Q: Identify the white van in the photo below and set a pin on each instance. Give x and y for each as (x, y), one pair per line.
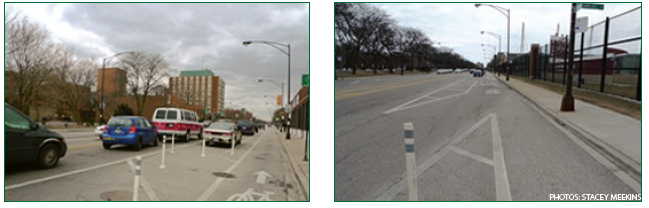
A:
(178, 122)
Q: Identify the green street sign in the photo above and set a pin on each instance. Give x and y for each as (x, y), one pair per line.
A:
(305, 80)
(593, 6)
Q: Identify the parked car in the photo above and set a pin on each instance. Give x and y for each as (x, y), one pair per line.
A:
(444, 71)
(222, 132)
(99, 130)
(176, 121)
(129, 130)
(28, 141)
(246, 127)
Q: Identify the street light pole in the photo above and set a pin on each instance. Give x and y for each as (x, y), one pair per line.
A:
(279, 84)
(103, 73)
(288, 53)
(568, 101)
(496, 36)
(505, 12)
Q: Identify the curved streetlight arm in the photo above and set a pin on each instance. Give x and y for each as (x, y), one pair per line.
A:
(502, 10)
(270, 43)
(490, 33)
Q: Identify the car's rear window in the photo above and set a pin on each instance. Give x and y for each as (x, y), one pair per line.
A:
(120, 122)
(221, 126)
(161, 114)
(172, 115)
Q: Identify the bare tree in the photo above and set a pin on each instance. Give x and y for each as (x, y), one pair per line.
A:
(27, 53)
(144, 72)
(73, 79)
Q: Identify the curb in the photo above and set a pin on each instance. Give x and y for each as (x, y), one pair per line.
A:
(301, 178)
(619, 159)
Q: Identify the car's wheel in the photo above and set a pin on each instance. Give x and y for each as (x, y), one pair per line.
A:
(106, 146)
(48, 156)
(155, 142)
(187, 136)
(138, 144)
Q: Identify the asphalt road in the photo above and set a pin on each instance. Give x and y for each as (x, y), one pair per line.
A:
(258, 167)
(475, 140)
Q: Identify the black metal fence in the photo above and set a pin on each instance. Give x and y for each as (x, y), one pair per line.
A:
(607, 58)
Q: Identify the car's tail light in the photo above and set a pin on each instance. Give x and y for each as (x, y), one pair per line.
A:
(132, 131)
(177, 126)
(227, 134)
(105, 128)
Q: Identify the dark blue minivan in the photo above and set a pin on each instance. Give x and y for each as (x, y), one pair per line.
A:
(129, 130)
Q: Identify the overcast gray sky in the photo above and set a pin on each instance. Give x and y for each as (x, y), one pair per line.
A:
(193, 36)
(458, 25)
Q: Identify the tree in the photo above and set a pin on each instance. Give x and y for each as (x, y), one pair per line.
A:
(28, 52)
(123, 110)
(144, 72)
(73, 79)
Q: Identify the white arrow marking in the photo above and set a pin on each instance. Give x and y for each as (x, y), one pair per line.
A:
(261, 176)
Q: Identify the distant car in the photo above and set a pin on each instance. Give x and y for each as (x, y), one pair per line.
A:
(260, 125)
(444, 71)
(222, 132)
(129, 130)
(478, 73)
(99, 130)
(246, 127)
(27, 141)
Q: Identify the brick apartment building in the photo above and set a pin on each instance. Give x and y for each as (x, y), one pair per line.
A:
(198, 88)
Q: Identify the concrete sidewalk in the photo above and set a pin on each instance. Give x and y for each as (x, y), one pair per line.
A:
(614, 135)
(295, 148)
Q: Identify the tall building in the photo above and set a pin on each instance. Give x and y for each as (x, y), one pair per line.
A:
(198, 87)
(113, 81)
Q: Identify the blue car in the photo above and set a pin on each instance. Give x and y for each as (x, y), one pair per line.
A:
(129, 130)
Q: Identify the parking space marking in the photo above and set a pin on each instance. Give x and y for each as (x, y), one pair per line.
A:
(210, 190)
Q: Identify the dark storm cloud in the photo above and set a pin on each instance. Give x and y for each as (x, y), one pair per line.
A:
(196, 35)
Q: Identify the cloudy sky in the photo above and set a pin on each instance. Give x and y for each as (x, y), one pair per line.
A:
(192, 36)
(458, 25)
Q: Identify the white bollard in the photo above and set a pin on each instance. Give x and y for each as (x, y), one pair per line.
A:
(138, 172)
(234, 140)
(203, 154)
(173, 139)
(164, 142)
(411, 162)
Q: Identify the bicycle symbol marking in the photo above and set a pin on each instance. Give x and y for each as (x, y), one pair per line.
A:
(250, 195)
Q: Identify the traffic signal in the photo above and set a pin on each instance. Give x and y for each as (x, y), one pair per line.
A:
(279, 100)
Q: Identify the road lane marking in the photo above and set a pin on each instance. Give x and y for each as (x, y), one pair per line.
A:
(381, 88)
(502, 182)
(84, 147)
(407, 105)
(210, 190)
(472, 156)
(145, 184)
(391, 192)
(80, 171)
